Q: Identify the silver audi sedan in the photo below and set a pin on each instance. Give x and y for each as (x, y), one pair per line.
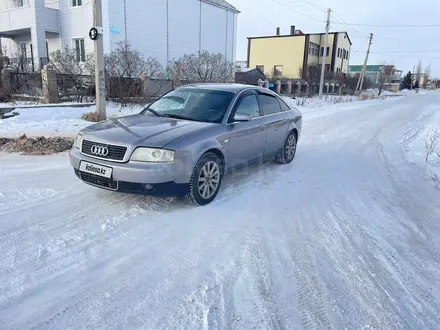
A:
(184, 142)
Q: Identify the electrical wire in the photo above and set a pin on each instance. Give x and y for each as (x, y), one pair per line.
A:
(312, 4)
(290, 8)
(395, 26)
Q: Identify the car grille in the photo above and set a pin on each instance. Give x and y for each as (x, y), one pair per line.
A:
(99, 181)
(116, 153)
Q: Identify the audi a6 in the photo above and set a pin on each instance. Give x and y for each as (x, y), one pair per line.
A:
(185, 141)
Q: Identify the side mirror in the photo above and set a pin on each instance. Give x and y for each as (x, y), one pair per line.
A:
(242, 117)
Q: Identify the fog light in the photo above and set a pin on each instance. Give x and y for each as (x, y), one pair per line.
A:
(149, 186)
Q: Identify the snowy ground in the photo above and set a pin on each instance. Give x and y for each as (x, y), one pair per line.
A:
(66, 121)
(346, 237)
(55, 121)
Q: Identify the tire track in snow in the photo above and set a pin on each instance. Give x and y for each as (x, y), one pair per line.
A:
(309, 291)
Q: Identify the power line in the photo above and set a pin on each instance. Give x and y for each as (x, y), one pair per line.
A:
(306, 10)
(395, 26)
(313, 4)
(360, 48)
(267, 21)
(343, 24)
(290, 8)
(410, 51)
(403, 56)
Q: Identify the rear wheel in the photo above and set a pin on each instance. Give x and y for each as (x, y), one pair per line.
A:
(206, 179)
(289, 150)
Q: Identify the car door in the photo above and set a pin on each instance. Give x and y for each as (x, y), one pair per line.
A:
(246, 139)
(276, 123)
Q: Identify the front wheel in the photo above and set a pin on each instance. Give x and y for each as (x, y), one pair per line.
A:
(206, 179)
(288, 152)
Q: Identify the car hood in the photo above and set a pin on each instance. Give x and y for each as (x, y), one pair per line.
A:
(142, 130)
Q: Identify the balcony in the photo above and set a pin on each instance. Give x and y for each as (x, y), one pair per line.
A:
(23, 18)
(18, 18)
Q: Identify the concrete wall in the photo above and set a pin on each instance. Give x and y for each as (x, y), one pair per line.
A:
(286, 51)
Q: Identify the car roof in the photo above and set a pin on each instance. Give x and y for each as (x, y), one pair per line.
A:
(227, 87)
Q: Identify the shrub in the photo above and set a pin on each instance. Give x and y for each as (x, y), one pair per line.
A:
(91, 116)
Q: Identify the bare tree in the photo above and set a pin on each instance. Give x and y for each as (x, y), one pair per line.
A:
(130, 77)
(201, 67)
(431, 143)
(311, 75)
(426, 76)
(418, 73)
(74, 81)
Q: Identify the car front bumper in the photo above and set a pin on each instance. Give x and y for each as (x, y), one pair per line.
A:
(133, 177)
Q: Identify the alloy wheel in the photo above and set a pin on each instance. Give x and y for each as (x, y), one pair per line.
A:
(209, 179)
(291, 147)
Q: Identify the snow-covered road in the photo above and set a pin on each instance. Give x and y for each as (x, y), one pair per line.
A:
(347, 237)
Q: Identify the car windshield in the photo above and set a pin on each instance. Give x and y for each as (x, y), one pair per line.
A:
(192, 104)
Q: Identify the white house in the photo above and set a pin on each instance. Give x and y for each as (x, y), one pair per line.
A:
(164, 29)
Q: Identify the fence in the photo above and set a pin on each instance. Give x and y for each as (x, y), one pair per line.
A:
(26, 83)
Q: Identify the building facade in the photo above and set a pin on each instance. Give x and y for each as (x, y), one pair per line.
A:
(164, 29)
(289, 55)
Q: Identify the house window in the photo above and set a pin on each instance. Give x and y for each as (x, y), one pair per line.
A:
(80, 52)
(278, 70)
(261, 68)
(322, 51)
(76, 3)
(339, 52)
(346, 55)
(328, 51)
(18, 3)
(313, 49)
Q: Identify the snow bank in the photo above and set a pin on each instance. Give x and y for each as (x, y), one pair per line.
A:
(316, 102)
(55, 121)
(424, 149)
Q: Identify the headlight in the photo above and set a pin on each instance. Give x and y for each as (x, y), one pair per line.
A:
(77, 142)
(152, 155)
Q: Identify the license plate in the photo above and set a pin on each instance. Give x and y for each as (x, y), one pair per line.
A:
(99, 170)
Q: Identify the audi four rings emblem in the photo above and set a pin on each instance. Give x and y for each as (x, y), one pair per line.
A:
(99, 151)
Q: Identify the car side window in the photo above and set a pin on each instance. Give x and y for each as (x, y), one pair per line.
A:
(249, 106)
(269, 104)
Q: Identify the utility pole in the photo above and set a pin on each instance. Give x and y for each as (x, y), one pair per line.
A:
(364, 67)
(324, 53)
(99, 59)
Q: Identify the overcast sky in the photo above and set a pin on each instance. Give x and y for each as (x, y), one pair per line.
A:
(402, 46)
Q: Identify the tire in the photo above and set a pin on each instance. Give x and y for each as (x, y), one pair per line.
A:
(287, 154)
(201, 194)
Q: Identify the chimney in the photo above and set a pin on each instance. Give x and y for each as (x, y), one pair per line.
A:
(292, 30)
(278, 31)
